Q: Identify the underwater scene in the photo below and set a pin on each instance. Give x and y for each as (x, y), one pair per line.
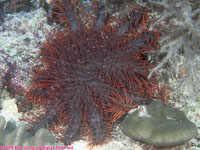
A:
(100, 74)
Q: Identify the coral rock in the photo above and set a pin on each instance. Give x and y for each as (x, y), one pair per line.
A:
(18, 136)
(159, 125)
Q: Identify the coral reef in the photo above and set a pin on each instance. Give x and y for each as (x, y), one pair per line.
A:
(14, 135)
(178, 57)
(179, 24)
(16, 6)
(9, 107)
(117, 7)
(11, 78)
(177, 62)
(93, 71)
(17, 55)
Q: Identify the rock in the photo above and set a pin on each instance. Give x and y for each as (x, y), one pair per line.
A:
(159, 125)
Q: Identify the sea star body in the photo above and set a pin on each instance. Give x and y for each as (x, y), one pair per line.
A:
(93, 72)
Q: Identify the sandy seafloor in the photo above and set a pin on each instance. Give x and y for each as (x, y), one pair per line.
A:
(33, 25)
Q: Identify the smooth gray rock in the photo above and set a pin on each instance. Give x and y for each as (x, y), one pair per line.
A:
(159, 125)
